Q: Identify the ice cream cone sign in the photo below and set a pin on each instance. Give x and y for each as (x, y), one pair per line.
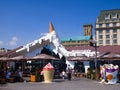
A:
(48, 67)
(48, 72)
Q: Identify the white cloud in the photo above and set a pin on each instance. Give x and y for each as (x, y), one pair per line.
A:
(13, 41)
(1, 42)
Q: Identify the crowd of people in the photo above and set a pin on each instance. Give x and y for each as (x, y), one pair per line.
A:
(11, 74)
(16, 75)
(69, 73)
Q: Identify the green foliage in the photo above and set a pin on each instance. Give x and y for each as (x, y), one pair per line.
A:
(37, 74)
(1, 65)
(91, 71)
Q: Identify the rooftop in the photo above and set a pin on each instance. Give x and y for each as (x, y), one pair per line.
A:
(76, 38)
(104, 12)
(101, 49)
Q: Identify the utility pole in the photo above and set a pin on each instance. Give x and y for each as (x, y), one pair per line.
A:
(93, 43)
(96, 70)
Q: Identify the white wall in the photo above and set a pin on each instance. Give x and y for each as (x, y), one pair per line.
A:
(71, 63)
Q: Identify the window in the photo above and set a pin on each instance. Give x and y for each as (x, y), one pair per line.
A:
(114, 30)
(107, 41)
(100, 36)
(114, 24)
(115, 41)
(107, 31)
(114, 15)
(114, 35)
(107, 36)
(107, 16)
(107, 24)
(78, 41)
(114, 20)
(119, 16)
(100, 41)
(100, 25)
(100, 31)
(72, 41)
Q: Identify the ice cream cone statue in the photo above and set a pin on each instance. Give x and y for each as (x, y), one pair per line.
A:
(48, 71)
(109, 72)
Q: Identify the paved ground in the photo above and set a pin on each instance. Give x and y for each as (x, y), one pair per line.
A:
(77, 84)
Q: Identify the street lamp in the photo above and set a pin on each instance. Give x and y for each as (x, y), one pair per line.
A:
(96, 61)
(93, 43)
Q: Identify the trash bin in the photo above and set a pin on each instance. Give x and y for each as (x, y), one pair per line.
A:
(48, 72)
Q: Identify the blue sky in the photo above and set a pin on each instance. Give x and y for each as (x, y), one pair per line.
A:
(22, 21)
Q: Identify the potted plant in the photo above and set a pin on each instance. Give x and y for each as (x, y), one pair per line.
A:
(2, 76)
(35, 75)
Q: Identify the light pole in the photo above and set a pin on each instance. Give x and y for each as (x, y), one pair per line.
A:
(96, 61)
(94, 44)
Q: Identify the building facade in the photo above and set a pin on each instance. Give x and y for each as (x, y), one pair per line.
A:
(88, 29)
(3, 50)
(79, 40)
(107, 27)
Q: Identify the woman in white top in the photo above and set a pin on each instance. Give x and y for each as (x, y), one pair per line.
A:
(63, 74)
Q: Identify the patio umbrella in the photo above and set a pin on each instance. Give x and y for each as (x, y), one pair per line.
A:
(112, 55)
(21, 57)
(77, 58)
(4, 59)
(44, 56)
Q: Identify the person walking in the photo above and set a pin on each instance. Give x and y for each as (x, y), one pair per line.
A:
(69, 73)
(73, 73)
(63, 75)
